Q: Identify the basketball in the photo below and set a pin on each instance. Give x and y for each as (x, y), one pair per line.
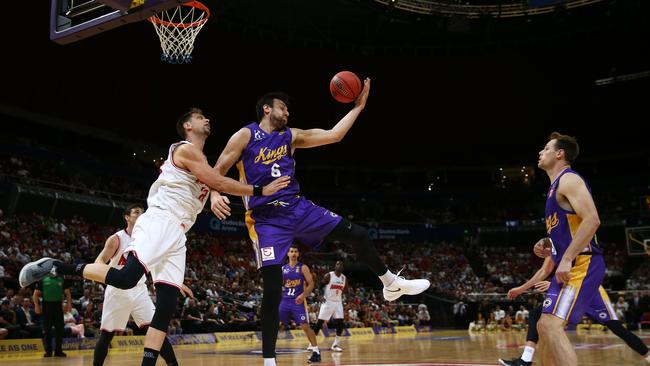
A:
(345, 86)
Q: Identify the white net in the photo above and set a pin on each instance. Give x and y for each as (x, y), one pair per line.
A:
(177, 29)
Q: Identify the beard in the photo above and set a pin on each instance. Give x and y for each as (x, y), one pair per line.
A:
(278, 122)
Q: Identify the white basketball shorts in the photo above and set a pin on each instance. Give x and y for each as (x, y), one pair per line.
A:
(330, 309)
(120, 304)
(159, 244)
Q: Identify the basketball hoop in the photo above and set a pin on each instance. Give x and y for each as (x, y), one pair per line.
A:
(177, 29)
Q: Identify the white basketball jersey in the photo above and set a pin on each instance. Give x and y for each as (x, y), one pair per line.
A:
(118, 260)
(334, 289)
(178, 191)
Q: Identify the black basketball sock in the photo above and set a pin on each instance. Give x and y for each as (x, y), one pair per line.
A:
(69, 269)
(101, 348)
(149, 357)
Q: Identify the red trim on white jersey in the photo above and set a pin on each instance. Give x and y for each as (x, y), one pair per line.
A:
(171, 155)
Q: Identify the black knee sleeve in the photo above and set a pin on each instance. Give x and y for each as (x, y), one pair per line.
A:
(318, 326)
(340, 326)
(357, 237)
(533, 318)
(272, 295)
(631, 339)
(101, 347)
(128, 276)
(166, 299)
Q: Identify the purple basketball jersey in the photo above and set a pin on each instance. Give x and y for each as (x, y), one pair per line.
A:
(293, 284)
(562, 224)
(265, 158)
(275, 222)
(580, 294)
(292, 281)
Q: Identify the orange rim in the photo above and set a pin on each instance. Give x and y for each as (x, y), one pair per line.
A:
(193, 4)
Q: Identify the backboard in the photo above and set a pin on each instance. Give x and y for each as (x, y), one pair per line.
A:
(73, 20)
(638, 240)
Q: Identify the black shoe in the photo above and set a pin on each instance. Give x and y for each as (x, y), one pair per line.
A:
(515, 362)
(60, 354)
(315, 358)
(47, 354)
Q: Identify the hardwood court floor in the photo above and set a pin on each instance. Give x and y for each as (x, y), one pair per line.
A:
(457, 348)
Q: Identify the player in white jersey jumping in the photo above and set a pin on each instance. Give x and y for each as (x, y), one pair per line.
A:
(120, 304)
(175, 199)
(332, 308)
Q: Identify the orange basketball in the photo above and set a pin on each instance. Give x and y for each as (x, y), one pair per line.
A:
(345, 86)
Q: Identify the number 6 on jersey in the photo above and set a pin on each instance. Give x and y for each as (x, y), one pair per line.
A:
(275, 171)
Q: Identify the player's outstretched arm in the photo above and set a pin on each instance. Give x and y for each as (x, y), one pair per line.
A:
(110, 248)
(318, 137)
(575, 190)
(229, 156)
(189, 157)
(540, 275)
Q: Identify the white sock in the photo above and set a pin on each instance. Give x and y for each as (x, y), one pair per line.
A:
(648, 358)
(315, 349)
(387, 278)
(269, 362)
(527, 356)
(336, 341)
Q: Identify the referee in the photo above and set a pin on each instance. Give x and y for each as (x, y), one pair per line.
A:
(52, 289)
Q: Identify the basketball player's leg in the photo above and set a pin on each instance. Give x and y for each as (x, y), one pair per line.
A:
(168, 277)
(632, 340)
(284, 313)
(567, 303)
(319, 326)
(166, 299)
(311, 336)
(339, 325)
(115, 316)
(143, 312)
(324, 315)
(302, 318)
(153, 235)
(318, 224)
(270, 319)
(101, 347)
(602, 311)
(357, 237)
(271, 237)
(532, 338)
(299, 314)
(544, 352)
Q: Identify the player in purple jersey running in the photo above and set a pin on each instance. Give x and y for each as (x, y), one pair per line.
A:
(600, 310)
(264, 150)
(571, 224)
(297, 284)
